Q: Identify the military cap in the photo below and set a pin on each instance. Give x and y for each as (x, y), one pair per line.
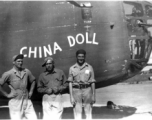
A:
(20, 56)
(46, 59)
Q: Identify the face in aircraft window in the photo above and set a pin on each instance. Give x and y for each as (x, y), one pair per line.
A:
(134, 28)
(133, 9)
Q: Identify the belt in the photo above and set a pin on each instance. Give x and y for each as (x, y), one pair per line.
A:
(82, 86)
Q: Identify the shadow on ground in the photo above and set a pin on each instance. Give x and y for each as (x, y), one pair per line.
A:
(103, 112)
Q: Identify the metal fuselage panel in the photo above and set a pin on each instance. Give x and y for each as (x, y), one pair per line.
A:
(39, 29)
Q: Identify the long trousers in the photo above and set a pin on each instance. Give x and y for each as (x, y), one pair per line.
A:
(21, 107)
(82, 97)
(52, 106)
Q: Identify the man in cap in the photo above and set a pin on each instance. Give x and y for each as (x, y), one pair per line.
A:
(82, 86)
(51, 84)
(20, 105)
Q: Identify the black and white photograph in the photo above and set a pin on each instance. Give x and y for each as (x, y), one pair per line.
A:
(68, 59)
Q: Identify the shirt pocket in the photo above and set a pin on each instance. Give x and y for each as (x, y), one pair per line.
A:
(85, 76)
(58, 77)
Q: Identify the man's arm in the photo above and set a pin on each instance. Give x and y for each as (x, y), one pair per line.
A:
(71, 94)
(43, 89)
(3, 80)
(8, 95)
(93, 86)
(93, 93)
(64, 83)
(70, 80)
(31, 89)
(3, 92)
(32, 81)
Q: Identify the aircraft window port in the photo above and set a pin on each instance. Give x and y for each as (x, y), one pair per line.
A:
(148, 10)
(133, 9)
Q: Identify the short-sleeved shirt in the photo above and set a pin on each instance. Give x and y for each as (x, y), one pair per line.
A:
(16, 80)
(55, 79)
(81, 74)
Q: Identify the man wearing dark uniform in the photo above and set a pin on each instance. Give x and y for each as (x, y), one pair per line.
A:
(51, 83)
(20, 105)
(82, 86)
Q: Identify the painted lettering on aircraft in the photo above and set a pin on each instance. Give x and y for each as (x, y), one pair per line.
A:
(37, 51)
(80, 39)
(49, 50)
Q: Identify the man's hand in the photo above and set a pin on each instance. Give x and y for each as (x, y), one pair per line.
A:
(73, 102)
(60, 89)
(49, 91)
(12, 94)
(93, 99)
(55, 90)
(30, 95)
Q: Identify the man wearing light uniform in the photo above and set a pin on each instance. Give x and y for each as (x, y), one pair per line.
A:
(51, 84)
(20, 105)
(82, 86)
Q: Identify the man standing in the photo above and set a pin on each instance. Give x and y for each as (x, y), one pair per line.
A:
(20, 105)
(51, 83)
(82, 86)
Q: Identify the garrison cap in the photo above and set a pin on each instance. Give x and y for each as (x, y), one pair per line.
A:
(46, 59)
(20, 56)
(81, 51)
